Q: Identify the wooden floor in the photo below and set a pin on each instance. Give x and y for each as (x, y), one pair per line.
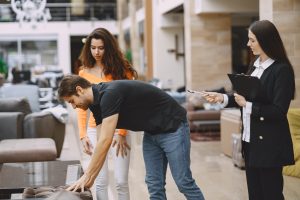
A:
(214, 173)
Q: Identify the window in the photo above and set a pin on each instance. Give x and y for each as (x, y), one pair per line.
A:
(27, 53)
(38, 54)
(9, 53)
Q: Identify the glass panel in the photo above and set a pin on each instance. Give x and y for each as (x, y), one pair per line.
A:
(36, 54)
(6, 13)
(8, 55)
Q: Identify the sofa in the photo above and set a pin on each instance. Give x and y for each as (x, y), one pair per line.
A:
(202, 116)
(18, 121)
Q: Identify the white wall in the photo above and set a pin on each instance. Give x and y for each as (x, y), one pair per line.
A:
(226, 6)
(61, 30)
(266, 9)
(167, 5)
(126, 23)
(140, 15)
(165, 67)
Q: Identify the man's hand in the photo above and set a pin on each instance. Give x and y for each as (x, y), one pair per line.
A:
(104, 142)
(87, 145)
(212, 97)
(85, 181)
(240, 100)
(122, 145)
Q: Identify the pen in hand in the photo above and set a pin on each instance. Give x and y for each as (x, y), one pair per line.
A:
(198, 92)
(211, 97)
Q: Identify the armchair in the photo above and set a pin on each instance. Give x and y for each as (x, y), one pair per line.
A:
(11, 125)
(18, 111)
(31, 92)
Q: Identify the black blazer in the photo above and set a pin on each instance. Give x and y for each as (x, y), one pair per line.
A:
(270, 138)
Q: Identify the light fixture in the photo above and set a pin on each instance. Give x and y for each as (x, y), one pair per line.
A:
(31, 11)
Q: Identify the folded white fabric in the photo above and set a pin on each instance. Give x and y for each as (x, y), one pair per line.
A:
(59, 112)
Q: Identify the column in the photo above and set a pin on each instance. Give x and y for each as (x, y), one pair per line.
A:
(207, 48)
(134, 39)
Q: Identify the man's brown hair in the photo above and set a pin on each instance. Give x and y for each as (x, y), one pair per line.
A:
(69, 83)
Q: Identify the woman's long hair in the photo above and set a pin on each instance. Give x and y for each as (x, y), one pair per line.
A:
(270, 41)
(113, 60)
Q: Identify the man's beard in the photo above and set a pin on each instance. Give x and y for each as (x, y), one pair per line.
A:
(83, 107)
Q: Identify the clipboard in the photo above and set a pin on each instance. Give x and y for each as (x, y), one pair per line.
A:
(245, 85)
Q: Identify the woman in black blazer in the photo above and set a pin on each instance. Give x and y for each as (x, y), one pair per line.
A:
(266, 138)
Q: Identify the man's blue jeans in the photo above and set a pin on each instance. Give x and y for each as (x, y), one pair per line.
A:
(172, 148)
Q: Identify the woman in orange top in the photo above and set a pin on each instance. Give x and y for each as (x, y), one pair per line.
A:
(103, 61)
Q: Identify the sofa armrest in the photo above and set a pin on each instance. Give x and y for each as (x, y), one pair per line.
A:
(11, 125)
(44, 125)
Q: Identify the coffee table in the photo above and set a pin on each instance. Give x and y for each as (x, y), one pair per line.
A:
(14, 177)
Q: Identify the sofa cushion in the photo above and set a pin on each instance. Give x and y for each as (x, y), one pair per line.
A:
(16, 104)
(56, 193)
(27, 150)
(195, 101)
(31, 92)
(293, 170)
(294, 123)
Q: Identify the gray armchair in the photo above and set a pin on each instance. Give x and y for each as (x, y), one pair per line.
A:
(18, 121)
(31, 92)
(44, 125)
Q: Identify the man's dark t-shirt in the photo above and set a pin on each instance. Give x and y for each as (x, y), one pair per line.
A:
(141, 106)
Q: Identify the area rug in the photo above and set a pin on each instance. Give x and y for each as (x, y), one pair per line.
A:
(205, 136)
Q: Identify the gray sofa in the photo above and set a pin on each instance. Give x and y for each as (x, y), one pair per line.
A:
(18, 121)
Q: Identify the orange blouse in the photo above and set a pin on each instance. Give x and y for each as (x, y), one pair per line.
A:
(83, 114)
